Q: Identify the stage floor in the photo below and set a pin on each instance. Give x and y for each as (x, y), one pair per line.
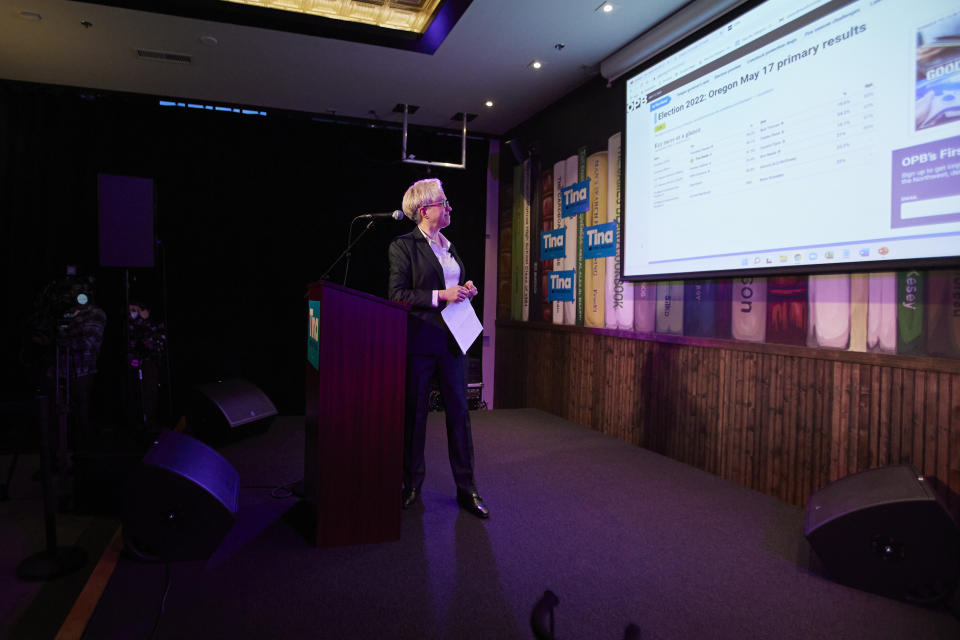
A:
(620, 534)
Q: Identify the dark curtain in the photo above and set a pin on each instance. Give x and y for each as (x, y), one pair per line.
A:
(249, 209)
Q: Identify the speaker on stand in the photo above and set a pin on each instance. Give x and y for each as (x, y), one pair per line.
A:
(887, 531)
(126, 211)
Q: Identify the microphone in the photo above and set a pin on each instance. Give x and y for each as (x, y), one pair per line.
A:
(396, 215)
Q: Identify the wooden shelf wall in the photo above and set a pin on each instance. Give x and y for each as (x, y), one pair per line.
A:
(780, 419)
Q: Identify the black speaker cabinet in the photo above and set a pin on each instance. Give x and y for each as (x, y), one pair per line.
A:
(219, 408)
(126, 216)
(886, 531)
(181, 501)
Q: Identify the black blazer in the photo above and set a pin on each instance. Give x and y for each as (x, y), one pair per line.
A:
(415, 273)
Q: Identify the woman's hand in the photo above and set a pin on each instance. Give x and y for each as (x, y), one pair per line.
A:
(455, 293)
(471, 289)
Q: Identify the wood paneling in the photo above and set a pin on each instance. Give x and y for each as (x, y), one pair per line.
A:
(778, 419)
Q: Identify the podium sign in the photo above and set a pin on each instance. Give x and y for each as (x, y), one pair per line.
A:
(313, 333)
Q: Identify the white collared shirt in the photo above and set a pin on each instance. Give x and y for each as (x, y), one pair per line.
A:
(451, 270)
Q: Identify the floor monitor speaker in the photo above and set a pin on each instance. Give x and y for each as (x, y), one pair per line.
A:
(181, 502)
(887, 531)
(220, 407)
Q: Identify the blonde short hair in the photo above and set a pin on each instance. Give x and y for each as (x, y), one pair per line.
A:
(420, 193)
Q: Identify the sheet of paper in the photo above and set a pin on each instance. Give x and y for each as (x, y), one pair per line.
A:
(463, 323)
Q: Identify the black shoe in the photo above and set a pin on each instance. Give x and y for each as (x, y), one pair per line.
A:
(473, 503)
(409, 497)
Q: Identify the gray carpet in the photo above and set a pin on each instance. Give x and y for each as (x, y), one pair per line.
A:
(35, 610)
(620, 534)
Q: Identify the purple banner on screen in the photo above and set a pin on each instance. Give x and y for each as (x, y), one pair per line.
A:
(925, 186)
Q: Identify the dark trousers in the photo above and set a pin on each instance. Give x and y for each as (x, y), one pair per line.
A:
(451, 371)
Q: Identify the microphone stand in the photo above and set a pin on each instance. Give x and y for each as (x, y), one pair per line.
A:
(346, 252)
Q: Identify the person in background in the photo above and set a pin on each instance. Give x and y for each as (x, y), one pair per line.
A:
(427, 274)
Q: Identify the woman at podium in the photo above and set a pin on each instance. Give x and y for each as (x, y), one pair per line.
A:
(426, 273)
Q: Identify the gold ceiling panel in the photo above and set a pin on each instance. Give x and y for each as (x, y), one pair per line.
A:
(406, 15)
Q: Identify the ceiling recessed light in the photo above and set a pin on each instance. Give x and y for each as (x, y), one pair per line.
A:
(606, 7)
(536, 64)
(210, 41)
(488, 103)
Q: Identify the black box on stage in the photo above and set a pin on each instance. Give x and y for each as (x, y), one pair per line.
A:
(474, 398)
(886, 531)
(182, 500)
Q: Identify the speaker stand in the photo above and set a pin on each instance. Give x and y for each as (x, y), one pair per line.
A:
(55, 561)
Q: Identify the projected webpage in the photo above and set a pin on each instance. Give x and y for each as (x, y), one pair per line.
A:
(798, 136)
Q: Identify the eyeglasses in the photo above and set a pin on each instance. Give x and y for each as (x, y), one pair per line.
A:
(444, 203)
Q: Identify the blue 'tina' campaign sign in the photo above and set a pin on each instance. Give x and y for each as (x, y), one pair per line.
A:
(552, 244)
(561, 285)
(575, 199)
(600, 241)
(313, 334)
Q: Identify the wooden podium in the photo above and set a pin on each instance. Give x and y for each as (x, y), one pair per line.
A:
(356, 369)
